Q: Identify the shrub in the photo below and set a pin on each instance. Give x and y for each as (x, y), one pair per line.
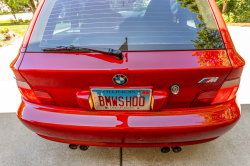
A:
(4, 30)
(20, 21)
(228, 17)
(13, 22)
(26, 21)
(7, 36)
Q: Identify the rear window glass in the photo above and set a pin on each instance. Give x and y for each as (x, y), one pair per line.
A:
(146, 24)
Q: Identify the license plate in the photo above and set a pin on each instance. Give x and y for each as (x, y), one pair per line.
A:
(121, 99)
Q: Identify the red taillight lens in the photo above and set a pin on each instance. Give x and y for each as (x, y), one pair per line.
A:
(35, 96)
(226, 92)
(224, 95)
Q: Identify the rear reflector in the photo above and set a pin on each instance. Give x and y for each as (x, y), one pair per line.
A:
(35, 96)
(226, 92)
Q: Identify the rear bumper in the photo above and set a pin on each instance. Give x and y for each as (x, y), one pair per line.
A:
(168, 127)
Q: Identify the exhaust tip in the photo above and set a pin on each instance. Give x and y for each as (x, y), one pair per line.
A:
(165, 149)
(176, 149)
(84, 147)
(73, 146)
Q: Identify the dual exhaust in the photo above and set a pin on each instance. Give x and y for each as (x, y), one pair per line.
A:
(82, 147)
(176, 149)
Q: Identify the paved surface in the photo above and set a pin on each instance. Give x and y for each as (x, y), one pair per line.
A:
(9, 95)
(21, 147)
(24, 16)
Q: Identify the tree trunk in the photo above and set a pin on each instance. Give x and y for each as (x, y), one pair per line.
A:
(224, 8)
(13, 12)
(32, 6)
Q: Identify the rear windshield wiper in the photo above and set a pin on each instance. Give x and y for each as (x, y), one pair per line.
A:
(108, 51)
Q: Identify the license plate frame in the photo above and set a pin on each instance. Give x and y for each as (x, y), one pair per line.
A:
(137, 99)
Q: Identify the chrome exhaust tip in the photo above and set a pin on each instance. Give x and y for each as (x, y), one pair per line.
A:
(84, 147)
(165, 149)
(176, 149)
(73, 146)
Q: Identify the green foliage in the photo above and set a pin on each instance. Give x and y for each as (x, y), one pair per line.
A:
(228, 17)
(11, 3)
(14, 5)
(13, 22)
(4, 30)
(220, 2)
(20, 29)
(237, 11)
(26, 21)
(17, 6)
(7, 36)
(207, 39)
(19, 22)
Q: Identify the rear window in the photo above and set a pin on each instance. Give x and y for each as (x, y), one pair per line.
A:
(147, 25)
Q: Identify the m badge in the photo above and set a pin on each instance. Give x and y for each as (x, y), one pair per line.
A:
(209, 80)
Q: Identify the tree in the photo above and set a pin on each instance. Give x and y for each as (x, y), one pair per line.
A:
(13, 5)
(31, 4)
(234, 10)
(224, 7)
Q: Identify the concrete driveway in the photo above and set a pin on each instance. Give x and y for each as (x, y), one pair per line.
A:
(21, 147)
(24, 16)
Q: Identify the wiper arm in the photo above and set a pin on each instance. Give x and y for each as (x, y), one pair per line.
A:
(109, 51)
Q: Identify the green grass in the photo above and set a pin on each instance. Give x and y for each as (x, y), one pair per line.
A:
(20, 29)
(4, 14)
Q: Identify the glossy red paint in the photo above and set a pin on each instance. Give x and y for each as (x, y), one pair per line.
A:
(83, 98)
(128, 145)
(159, 100)
(130, 129)
(68, 78)
(65, 74)
(15, 64)
(238, 64)
(236, 60)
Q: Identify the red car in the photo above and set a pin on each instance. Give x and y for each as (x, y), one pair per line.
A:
(128, 73)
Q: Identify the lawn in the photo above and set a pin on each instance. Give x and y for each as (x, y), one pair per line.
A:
(20, 29)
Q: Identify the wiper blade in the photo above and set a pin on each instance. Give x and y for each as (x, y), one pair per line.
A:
(108, 51)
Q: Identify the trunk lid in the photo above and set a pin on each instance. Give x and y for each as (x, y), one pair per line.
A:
(65, 74)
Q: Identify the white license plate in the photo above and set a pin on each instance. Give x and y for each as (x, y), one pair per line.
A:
(121, 99)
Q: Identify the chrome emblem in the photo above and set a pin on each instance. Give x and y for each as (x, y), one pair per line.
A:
(209, 80)
(120, 79)
(175, 89)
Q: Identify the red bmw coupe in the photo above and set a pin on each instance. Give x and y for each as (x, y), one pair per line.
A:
(128, 73)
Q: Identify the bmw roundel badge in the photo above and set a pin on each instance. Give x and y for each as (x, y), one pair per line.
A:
(120, 79)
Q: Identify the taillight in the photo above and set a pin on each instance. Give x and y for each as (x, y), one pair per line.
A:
(35, 96)
(226, 92)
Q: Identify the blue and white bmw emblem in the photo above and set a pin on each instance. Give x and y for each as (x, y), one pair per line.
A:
(120, 79)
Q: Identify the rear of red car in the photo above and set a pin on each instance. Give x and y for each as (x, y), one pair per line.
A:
(175, 85)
